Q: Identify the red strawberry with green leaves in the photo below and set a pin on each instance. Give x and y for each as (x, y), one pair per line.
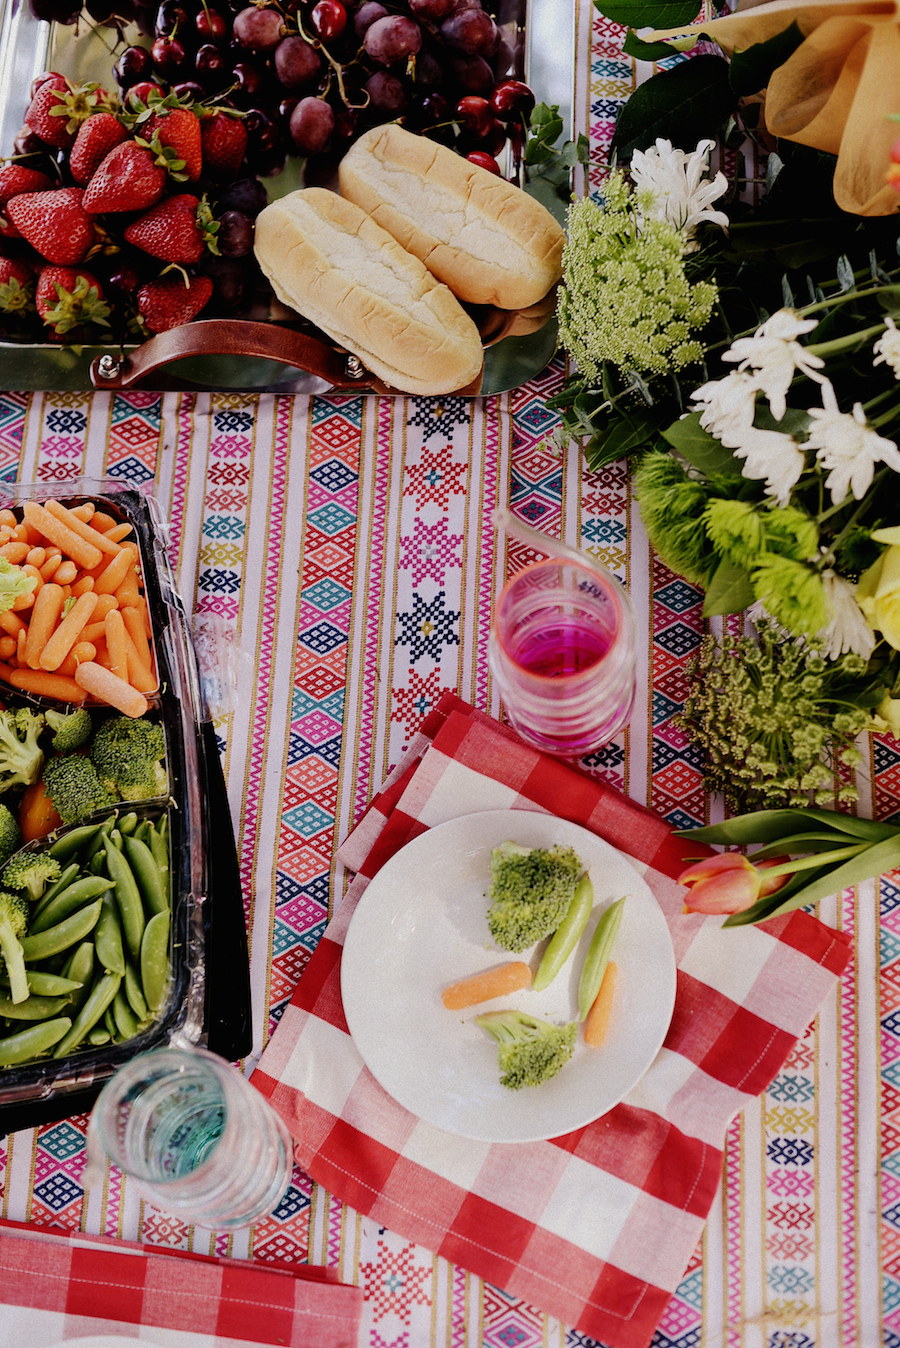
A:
(16, 286)
(224, 142)
(96, 136)
(15, 178)
(130, 178)
(55, 223)
(59, 107)
(67, 297)
(176, 229)
(179, 129)
(172, 300)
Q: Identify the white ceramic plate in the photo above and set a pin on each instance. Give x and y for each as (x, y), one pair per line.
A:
(421, 924)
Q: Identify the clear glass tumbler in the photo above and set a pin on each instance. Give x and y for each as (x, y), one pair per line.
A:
(199, 1141)
(562, 652)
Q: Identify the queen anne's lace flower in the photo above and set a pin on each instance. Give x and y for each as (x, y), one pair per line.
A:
(775, 355)
(677, 188)
(848, 448)
(848, 629)
(728, 407)
(887, 348)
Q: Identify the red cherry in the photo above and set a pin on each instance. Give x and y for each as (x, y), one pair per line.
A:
(476, 115)
(329, 19)
(142, 90)
(484, 160)
(511, 100)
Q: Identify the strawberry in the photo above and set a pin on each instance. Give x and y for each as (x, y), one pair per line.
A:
(170, 301)
(16, 286)
(55, 223)
(96, 136)
(176, 229)
(68, 296)
(16, 178)
(224, 142)
(128, 179)
(59, 107)
(179, 128)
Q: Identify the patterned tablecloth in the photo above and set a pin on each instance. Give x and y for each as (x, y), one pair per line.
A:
(337, 554)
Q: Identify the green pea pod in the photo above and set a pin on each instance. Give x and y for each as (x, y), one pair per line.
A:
(565, 938)
(63, 935)
(100, 998)
(128, 897)
(81, 966)
(597, 957)
(97, 863)
(128, 822)
(159, 846)
(99, 840)
(33, 1007)
(31, 1043)
(73, 841)
(108, 937)
(109, 1021)
(46, 984)
(126, 1020)
(143, 831)
(134, 992)
(115, 838)
(66, 877)
(154, 888)
(73, 897)
(155, 960)
(99, 1036)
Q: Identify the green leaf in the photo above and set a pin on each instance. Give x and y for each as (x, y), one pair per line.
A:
(751, 69)
(800, 844)
(684, 105)
(626, 433)
(874, 861)
(646, 51)
(729, 591)
(700, 448)
(655, 14)
(765, 826)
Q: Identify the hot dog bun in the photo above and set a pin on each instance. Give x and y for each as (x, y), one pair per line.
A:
(486, 239)
(328, 260)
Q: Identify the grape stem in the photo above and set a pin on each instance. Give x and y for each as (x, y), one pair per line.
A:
(336, 66)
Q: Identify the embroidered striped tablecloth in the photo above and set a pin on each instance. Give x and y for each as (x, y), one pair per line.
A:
(337, 556)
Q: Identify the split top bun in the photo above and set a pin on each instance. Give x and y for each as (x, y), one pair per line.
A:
(486, 239)
(328, 260)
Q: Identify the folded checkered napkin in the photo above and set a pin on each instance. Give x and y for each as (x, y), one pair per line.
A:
(55, 1287)
(598, 1226)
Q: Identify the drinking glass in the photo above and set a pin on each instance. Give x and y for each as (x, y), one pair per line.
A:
(562, 652)
(199, 1141)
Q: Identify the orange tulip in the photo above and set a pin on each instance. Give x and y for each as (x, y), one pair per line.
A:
(728, 883)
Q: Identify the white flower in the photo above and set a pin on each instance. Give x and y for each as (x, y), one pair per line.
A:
(681, 192)
(773, 456)
(846, 445)
(887, 348)
(848, 629)
(729, 407)
(775, 355)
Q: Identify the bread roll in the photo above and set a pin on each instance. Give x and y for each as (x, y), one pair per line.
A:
(486, 239)
(328, 260)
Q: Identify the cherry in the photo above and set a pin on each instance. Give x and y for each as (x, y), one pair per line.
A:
(475, 114)
(141, 92)
(169, 55)
(134, 64)
(512, 100)
(329, 19)
(212, 25)
(484, 160)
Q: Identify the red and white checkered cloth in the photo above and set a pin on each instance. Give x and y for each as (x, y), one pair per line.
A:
(598, 1226)
(55, 1287)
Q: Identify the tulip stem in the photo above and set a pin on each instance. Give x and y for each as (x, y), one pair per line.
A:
(809, 863)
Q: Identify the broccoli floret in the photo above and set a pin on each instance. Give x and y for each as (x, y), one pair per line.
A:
(127, 753)
(71, 729)
(13, 583)
(531, 889)
(21, 757)
(72, 784)
(13, 921)
(32, 872)
(10, 834)
(531, 1050)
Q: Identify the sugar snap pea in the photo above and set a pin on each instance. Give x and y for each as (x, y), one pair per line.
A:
(33, 1007)
(108, 937)
(128, 897)
(115, 838)
(73, 897)
(109, 1022)
(99, 1036)
(66, 876)
(128, 822)
(30, 1043)
(155, 960)
(126, 1020)
(565, 938)
(159, 845)
(134, 992)
(73, 841)
(80, 965)
(100, 998)
(99, 840)
(63, 935)
(154, 889)
(598, 955)
(46, 984)
(143, 831)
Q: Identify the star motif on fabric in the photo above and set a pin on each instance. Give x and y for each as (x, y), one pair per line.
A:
(394, 1283)
(429, 550)
(436, 477)
(413, 703)
(428, 628)
(437, 416)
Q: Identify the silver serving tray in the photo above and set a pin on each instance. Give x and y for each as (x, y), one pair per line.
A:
(29, 46)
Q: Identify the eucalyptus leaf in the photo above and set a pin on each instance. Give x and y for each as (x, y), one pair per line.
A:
(700, 448)
(655, 14)
(729, 591)
(685, 105)
(625, 434)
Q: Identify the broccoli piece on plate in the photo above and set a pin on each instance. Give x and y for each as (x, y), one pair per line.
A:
(21, 757)
(71, 729)
(531, 889)
(127, 753)
(531, 1050)
(13, 921)
(32, 872)
(72, 784)
(10, 834)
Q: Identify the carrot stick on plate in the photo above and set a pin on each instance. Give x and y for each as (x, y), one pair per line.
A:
(481, 987)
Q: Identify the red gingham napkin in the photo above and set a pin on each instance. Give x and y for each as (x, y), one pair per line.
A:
(598, 1226)
(55, 1287)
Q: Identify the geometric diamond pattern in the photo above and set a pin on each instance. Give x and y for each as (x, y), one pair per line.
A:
(58, 1191)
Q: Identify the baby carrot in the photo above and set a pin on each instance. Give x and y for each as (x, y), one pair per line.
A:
(499, 982)
(66, 572)
(115, 644)
(598, 955)
(82, 529)
(57, 531)
(8, 647)
(47, 608)
(83, 585)
(84, 512)
(112, 575)
(68, 632)
(597, 1022)
(134, 626)
(81, 651)
(129, 592)
(118, 532)
(8, 517)
(36, 557)
(15, 552)
(102, 684)
(101, 521)
(46, 685)
(11, 623)
(51, 566)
